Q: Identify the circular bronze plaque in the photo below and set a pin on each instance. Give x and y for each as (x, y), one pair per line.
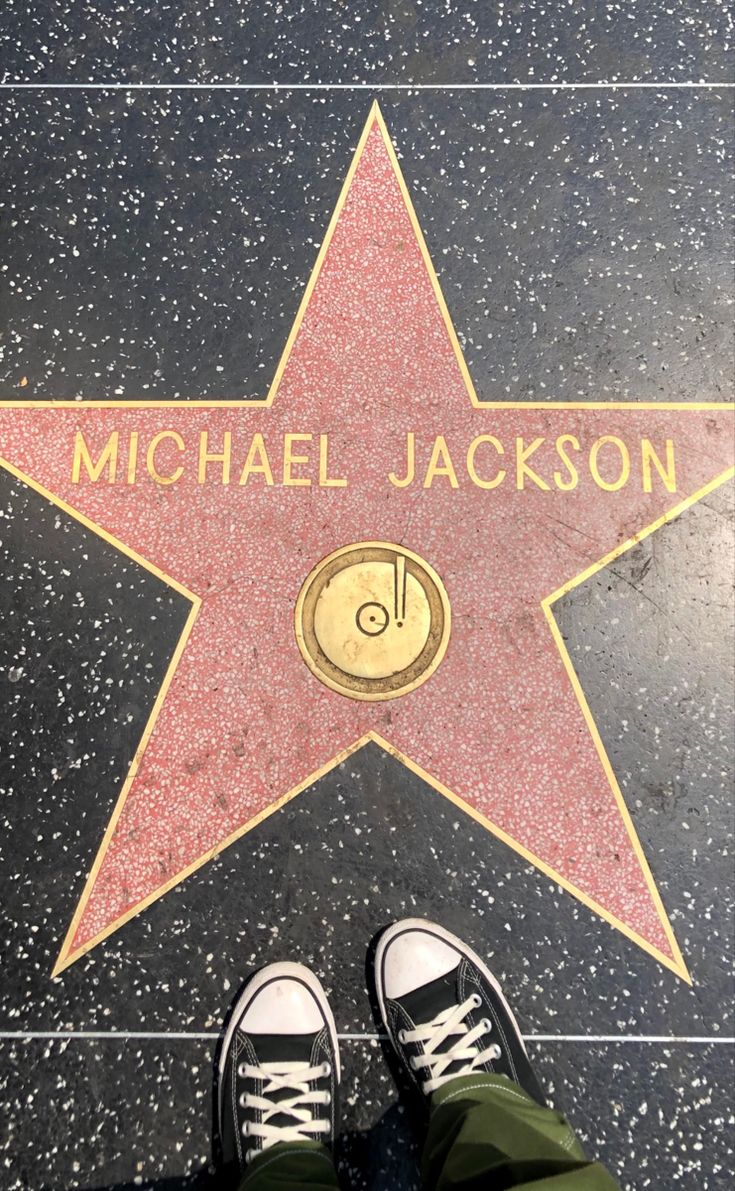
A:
(372, 620)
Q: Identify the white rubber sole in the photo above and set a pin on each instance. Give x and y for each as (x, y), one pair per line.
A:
(446, 936)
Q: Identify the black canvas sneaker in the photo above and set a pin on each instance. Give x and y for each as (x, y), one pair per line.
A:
(279, 1066)
(445, 1013)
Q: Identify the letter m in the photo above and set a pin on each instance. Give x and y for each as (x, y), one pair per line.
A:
(107, 458)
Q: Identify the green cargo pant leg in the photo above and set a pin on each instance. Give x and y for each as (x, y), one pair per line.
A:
(486, 1134)
(290, 1166)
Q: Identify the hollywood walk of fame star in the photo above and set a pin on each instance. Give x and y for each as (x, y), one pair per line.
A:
(244, 720)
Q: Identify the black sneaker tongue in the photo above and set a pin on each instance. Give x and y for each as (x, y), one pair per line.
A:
(423, 1004)
(283, 1048)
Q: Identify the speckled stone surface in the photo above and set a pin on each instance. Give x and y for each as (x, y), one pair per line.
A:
(161, 241)
(158, 246)
(416, 41)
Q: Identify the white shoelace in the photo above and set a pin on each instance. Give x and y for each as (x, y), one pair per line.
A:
(283, 1077)
(465, 1050)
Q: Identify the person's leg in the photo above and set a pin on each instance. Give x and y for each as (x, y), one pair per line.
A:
(484, 1131)
(489, 1126)
(291, 1167)
(278, 1084)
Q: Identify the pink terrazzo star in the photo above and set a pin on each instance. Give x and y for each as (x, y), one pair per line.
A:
(501, 727)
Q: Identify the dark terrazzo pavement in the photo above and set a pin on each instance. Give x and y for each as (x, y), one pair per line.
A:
(145, 1108)
(414, 41)
(158, 246)
(161, 241)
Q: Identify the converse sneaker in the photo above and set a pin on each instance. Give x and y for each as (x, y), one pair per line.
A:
(445, 1013)
(279, 1066)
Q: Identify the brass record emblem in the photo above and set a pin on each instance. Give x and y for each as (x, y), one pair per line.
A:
(373, 620)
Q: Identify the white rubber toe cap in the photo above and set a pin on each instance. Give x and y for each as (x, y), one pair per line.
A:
(284, 1007)
(413, 953)
(284, 998)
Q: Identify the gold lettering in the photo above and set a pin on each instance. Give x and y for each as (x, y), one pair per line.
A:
(666, 471)
(522, 469)
(132, 456)
(563, 441)
(410, 464)
(500, 474)
(262, 468)
(440, 451)
(325, 480)
(150, 457)
(289, 459)
(206, 457)
(598, 444)
(107, 458)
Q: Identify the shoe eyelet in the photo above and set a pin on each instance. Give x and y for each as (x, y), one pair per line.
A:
(476, 1000)
(486, 1024)
(498, 1053)
(249, 1155)
(245, 1129)
(402, 1037)
(326, 1069)
(412, 1063)
(328, 1098)
(241, 1100)
(241, 1070)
